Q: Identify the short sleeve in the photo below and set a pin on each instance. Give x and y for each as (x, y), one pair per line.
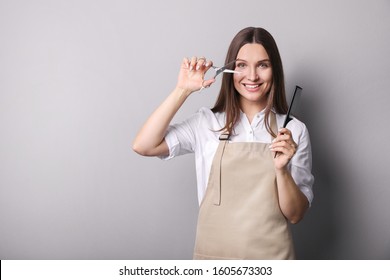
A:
(181, 137)
(301, 163)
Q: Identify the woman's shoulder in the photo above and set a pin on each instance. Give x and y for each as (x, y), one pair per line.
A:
(205, 111)
(203, 119)
(209, 116)
(208, 112)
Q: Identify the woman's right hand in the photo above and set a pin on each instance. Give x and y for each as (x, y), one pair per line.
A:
(192, 73)
(150, 140)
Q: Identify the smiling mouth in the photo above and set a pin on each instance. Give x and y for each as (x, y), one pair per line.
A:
(252, 86)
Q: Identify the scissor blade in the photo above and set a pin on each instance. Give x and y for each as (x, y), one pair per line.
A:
(222, 69)
(230, 71)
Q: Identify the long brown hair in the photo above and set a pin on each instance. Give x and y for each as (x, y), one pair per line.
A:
(228, 98)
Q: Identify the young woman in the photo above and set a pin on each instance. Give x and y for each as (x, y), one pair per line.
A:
(253, 178)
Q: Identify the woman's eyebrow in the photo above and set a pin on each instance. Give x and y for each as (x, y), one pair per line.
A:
(263, 60)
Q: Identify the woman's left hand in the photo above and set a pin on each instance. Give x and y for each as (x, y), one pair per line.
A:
(284, 147)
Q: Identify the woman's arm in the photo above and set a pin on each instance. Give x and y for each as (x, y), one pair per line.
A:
(293, 203)
(150, 139)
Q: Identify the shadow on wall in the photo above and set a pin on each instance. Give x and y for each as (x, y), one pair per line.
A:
(317, 235)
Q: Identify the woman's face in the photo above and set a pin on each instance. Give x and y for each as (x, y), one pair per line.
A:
(255, 78)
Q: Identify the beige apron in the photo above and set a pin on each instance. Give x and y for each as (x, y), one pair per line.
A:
(240, 217)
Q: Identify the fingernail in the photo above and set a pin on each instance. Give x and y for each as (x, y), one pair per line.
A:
(197, 67)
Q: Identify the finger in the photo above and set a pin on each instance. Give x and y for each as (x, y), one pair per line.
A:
(284, 130)
(193, 63)
(208, 64)
(186, 62)
(289, 140)
(285, 150)
(200, 63)
(284, 134)
(208, 83)
(280, 145)
(282, 138)
(201, 59)
(288, 147)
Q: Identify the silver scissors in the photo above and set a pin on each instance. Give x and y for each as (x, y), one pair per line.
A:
(224, 69)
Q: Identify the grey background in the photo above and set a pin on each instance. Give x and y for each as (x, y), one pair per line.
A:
(78, 79)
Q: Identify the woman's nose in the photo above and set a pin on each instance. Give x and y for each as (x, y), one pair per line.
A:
(252, 74)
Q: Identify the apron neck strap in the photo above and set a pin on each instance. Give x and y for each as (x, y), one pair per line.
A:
(274, 126)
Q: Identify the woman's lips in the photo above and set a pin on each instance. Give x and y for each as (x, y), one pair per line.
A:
(252, 87)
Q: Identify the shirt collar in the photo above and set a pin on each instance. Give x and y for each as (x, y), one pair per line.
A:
(257, 119)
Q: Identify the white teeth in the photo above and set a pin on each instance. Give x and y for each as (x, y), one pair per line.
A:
(252, 86)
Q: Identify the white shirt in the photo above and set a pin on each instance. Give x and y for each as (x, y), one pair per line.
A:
(199, 134)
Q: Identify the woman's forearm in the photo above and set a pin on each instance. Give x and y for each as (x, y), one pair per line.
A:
(150, 139)
(293, 203)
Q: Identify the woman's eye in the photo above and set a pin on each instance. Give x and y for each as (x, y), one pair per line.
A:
(263, 65)
(240, 65)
